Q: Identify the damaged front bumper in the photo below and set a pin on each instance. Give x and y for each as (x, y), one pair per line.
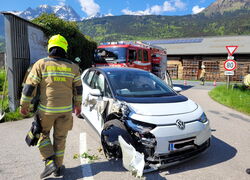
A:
(165, 160)
(146, 145)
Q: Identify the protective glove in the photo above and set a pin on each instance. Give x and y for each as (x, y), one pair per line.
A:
(24, 111)
(77, 110)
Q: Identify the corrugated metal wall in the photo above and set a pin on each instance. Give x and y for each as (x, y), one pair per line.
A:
(17, 56)
(2, 60)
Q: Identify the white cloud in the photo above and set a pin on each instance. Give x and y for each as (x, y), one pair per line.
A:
(156, 9)
(179, 4)
(90, 7)
(129, 12)
(109, 14)
(167, 6)
(197, 9)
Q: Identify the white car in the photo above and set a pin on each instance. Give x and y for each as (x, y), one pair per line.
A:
(165, 126)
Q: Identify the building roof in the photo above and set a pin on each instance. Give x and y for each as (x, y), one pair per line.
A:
(204, 45)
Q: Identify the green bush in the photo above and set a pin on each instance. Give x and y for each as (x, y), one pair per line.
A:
(237, 98)
(79, 45)
(2, 78)
(4, 103)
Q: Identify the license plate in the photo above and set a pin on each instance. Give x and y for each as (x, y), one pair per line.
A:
(171, 147)
(181, 144)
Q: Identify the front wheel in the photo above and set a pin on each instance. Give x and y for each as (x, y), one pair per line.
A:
(109, 136)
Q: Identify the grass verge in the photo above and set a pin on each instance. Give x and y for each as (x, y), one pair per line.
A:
(236, 98)
(4, 103)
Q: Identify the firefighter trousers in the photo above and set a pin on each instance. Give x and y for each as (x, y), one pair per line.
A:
(61, 123)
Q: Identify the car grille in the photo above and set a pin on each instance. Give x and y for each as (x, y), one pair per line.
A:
(180, 155)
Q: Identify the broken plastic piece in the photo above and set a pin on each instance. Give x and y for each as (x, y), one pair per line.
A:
(132, 160)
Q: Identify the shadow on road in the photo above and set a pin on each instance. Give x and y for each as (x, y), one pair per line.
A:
(69, 174)
(236, 116)
(218, 152)
(112, 165)
(183, 87)
(116, 166)
(239, 117)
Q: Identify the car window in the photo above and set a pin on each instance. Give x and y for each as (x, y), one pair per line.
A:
(107, 91)
(140, 55)
(145, 55)
(132, 54)
(138, 84)
(88, 77)
(98, 82)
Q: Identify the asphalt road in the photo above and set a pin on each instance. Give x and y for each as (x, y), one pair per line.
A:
(227, 158)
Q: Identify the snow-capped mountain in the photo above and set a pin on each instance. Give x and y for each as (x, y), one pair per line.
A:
(64, 12)
(98, 15)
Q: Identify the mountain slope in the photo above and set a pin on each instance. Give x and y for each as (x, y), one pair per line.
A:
(222, 6)
(161, 27)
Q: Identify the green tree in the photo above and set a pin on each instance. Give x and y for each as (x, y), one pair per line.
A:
(79, 45)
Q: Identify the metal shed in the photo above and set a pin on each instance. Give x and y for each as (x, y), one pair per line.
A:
(25, 43)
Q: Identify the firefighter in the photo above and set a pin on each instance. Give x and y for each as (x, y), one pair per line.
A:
(60, 91)
(202, 75)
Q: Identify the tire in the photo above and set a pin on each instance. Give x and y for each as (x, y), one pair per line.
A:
(112, 129)
(114, 122)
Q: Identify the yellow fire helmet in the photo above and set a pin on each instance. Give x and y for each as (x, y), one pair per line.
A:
(59, 41)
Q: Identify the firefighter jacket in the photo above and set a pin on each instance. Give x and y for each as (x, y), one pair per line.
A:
(59, 82)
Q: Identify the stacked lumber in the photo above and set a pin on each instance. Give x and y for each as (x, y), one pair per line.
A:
(190, 69)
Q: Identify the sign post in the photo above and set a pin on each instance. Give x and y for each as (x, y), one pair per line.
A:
(230, 64)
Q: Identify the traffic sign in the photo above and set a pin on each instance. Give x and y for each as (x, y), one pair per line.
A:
(231, 49)
(229, 73)
(230, 65)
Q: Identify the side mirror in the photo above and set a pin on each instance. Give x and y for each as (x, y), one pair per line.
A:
(77, 59)
(177, 89)
(130, 61)
(95, 92)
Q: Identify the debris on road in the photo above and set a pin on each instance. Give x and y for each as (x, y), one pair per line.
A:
(132, 160)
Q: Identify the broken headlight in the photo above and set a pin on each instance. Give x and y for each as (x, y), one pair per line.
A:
(125, 110)
(139, 126)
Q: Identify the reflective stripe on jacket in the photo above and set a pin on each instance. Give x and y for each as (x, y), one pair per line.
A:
(58, 80)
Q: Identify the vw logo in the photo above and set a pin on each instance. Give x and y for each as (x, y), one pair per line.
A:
(180, 124)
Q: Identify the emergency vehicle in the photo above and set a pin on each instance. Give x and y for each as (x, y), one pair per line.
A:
(135, 55)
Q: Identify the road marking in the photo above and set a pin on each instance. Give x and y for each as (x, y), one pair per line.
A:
(85, 166)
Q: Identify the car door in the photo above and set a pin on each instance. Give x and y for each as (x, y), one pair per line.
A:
(86, 83)
(94, 106)
(132, 57)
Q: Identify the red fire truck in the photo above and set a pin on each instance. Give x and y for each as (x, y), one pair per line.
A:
(134, 54)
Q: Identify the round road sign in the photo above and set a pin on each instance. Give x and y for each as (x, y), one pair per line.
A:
(230, 65)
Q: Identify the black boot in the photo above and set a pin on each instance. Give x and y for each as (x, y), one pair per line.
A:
(59, 171)
(248, 171)
(50, 167)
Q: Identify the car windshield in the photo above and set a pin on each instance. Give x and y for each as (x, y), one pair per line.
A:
(110, 54)
(138, 84)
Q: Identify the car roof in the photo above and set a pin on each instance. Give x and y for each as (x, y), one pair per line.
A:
(115, 69)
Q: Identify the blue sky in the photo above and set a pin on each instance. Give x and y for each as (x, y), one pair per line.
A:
(86, 8)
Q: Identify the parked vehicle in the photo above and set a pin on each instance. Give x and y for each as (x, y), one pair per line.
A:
(136, 55)
(166, 127)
